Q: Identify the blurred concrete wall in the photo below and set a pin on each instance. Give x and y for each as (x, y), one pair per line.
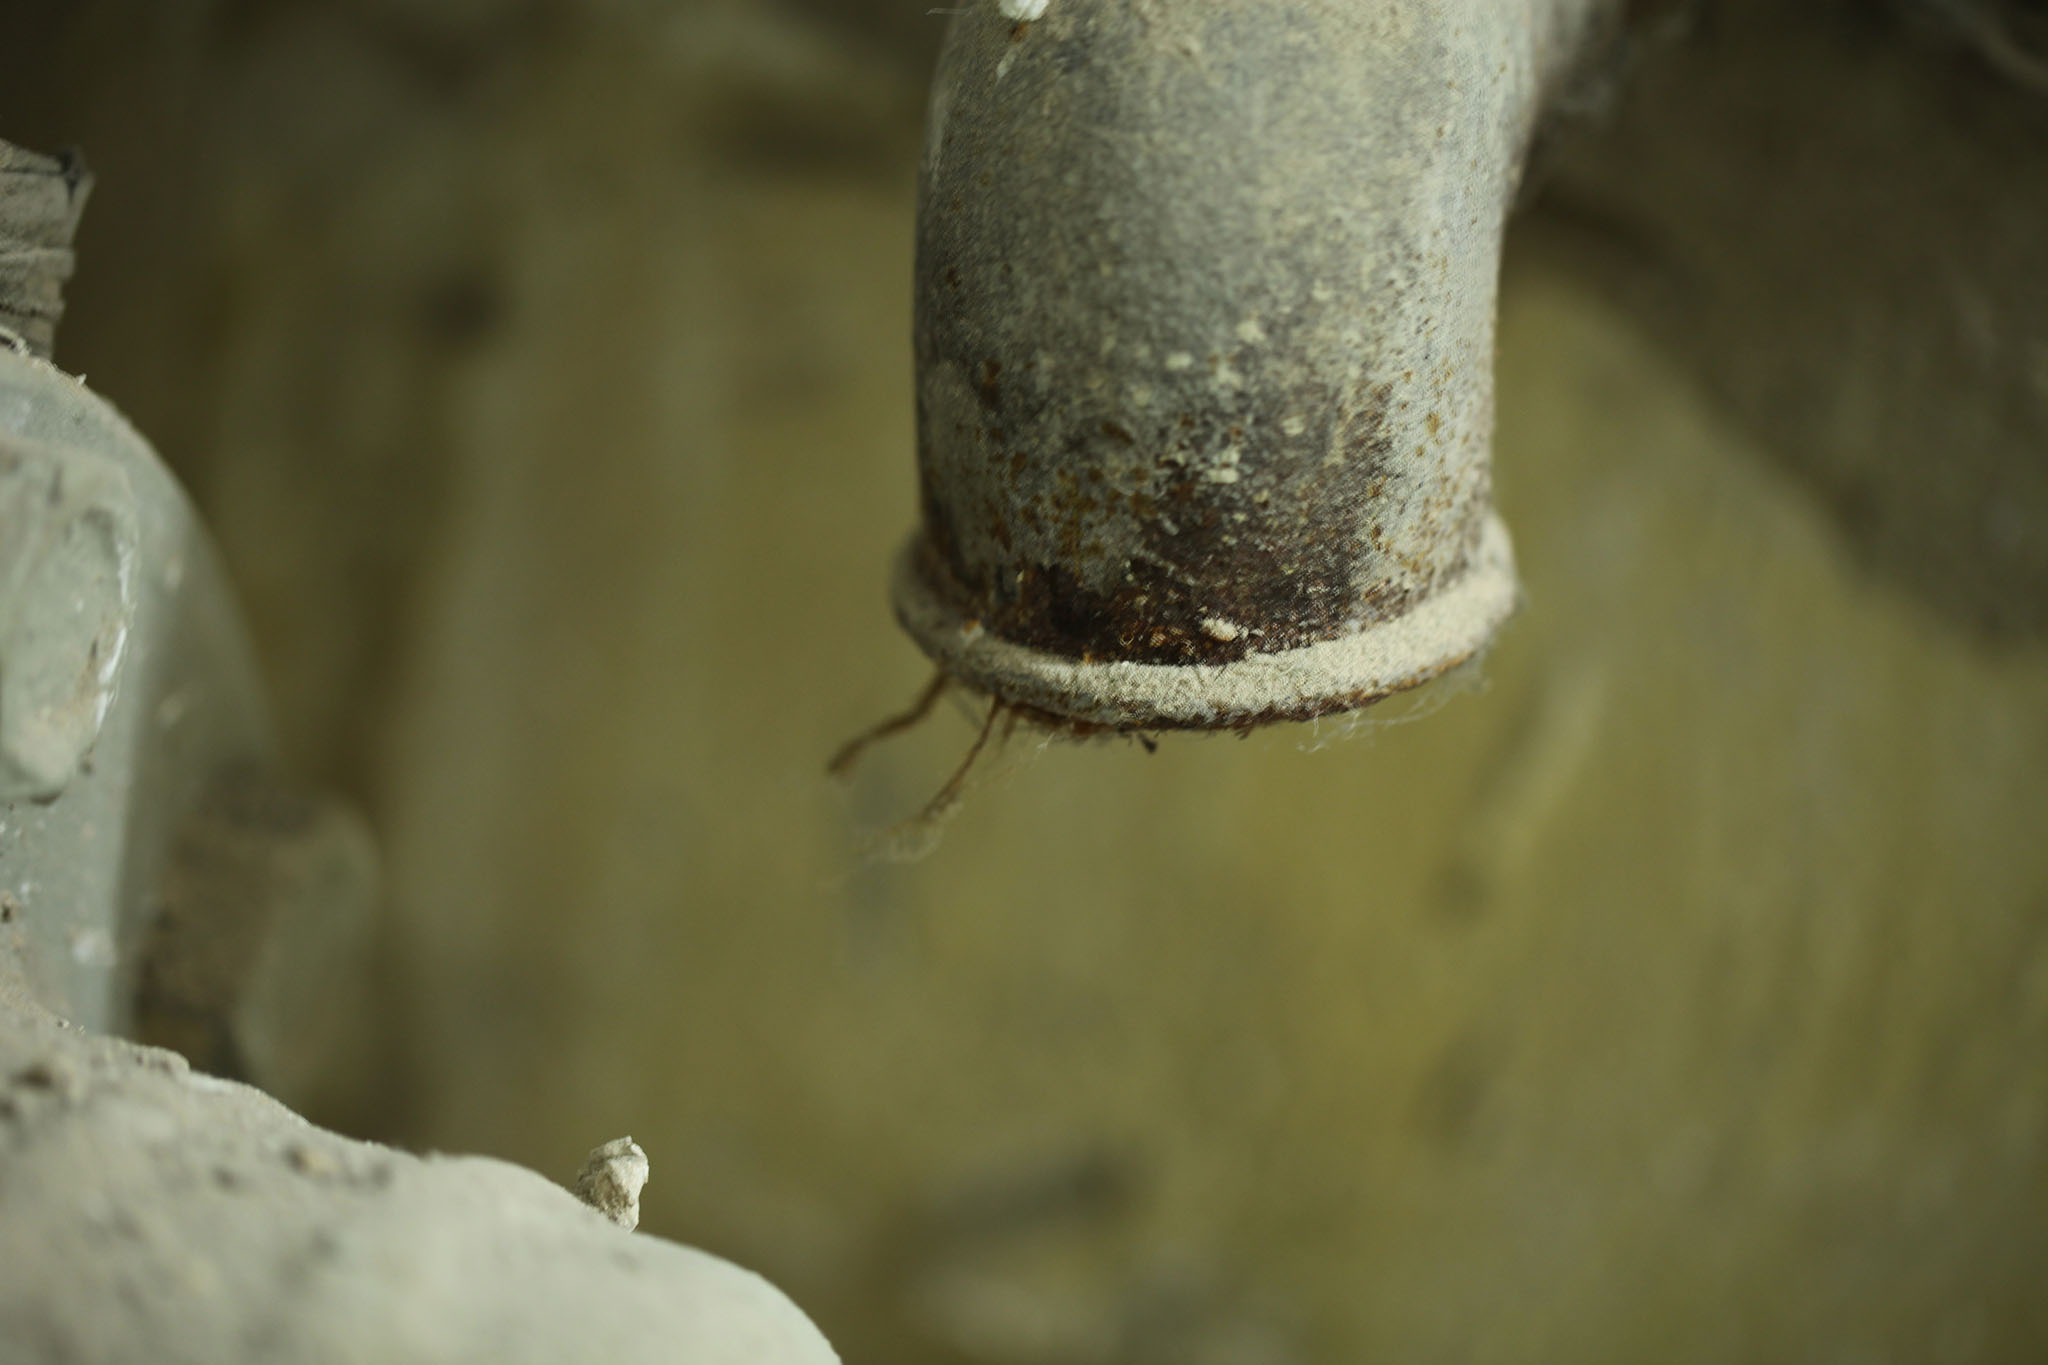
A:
(1678, 992)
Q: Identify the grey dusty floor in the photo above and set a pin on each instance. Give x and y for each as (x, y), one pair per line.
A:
(150, 1212)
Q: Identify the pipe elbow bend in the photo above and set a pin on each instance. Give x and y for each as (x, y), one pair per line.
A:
(1204, 327)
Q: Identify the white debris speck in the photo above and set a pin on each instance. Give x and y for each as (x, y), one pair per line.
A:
(1021, 9)
(1180, 360)
(1292, 424)
(611, 1180)
(1250, 333)
(1219, 629)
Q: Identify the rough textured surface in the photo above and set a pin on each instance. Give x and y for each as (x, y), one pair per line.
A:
(1204, 337)
(148, 1212)
(1427, 639)
(611, 1180)
(41, 198)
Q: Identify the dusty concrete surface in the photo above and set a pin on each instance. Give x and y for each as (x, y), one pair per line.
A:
(149, 1212)
(1680, 995)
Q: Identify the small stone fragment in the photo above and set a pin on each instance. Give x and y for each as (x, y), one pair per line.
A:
(311, 1161)
(611, 1180)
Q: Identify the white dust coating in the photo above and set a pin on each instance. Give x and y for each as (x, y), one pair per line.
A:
(1436, 634)
(1022, 9)
(611, 1180)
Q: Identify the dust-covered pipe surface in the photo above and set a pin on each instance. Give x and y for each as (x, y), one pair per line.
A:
(1204, 333)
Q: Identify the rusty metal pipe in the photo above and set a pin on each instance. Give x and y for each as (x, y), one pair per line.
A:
(1204, 333)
